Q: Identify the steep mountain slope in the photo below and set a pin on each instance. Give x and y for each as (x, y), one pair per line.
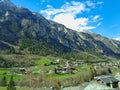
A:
(23, 31)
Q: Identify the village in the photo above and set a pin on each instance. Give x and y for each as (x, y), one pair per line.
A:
(106, 73)
(67, 67)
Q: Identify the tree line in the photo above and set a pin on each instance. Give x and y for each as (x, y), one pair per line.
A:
(10, 85)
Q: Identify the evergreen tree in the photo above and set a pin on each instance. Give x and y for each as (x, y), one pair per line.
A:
(109, 71)
(11, 85)
(3, 81)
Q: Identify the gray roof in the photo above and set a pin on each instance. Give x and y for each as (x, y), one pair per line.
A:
(109, 80)
(106, 78)
(96, 86)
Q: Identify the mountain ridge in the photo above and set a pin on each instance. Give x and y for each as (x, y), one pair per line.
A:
(32, 33)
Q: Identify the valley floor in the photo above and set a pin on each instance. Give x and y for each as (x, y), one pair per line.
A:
(54, 72)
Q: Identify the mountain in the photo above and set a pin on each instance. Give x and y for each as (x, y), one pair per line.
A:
(23, 31)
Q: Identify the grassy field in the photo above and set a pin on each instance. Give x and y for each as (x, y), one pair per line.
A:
(5, 71)
(37, 70)
(16, 76)
(39, 67)
(5, 88)
(43, 64)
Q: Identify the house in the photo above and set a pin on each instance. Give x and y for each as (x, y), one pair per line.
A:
(96, 86)
(108, 81)
(51, 71)
(22, 70)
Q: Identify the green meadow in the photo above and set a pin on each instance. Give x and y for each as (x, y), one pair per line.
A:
(39, 65)
(5, 88)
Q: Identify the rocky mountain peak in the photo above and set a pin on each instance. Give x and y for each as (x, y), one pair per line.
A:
(6, 2)
(20, 27)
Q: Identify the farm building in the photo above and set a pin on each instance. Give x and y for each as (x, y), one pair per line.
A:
(108, 81)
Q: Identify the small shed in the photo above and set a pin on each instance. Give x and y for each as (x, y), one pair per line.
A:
(108, 81)
(22, 70)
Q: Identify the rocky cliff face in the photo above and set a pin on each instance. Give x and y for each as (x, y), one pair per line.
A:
(29, 31)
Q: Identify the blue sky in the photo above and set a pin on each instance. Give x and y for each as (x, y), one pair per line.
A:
(99, 16)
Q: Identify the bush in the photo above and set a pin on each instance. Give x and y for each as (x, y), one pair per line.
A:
(3, 81)
(11, 85)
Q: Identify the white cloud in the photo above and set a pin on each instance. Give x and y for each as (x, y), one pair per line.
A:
(69, 21)
(86, 28)
(43, 1)
(72, 8)
(93, 4)
(118, 38)
(99, 3)
(96, 18)
(67, 15)
(99, 24)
